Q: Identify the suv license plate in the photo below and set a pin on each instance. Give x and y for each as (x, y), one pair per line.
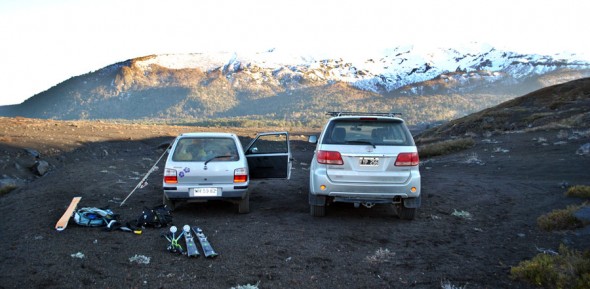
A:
(204, 192)
(369, 162)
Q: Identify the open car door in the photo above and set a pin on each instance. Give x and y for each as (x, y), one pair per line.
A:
(269, 156)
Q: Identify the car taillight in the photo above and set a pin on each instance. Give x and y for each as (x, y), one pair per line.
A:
(330, 158)
(240, 175)
(407, 159)
(170, 176)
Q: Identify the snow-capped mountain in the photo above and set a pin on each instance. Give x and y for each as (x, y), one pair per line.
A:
(427, 85)
(391, 70)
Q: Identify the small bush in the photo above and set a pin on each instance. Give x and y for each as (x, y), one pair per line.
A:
(448, 285)
(247, 286)
(445, 147)
(563, 219)
(568, 269)
(381, 256)
(578, 191)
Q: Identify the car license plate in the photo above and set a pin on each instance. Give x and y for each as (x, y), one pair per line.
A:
(204, 192)
(371, 162)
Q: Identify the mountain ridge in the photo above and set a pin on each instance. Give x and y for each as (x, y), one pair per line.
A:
(429, 87)
(561, 106)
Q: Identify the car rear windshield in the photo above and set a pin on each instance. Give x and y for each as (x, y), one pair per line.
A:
(389, 132)
(204, 149)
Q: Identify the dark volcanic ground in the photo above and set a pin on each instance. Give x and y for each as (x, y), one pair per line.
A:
(505, 182)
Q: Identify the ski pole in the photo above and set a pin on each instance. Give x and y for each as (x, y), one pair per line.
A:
(141, 183)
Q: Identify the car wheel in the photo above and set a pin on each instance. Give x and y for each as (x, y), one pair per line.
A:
(171, 205)
(406, 213)
(244, 204)
(317, 211)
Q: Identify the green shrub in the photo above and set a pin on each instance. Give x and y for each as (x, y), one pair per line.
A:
(578, 191)
(445, 147)
(570, 269)
(563, 219)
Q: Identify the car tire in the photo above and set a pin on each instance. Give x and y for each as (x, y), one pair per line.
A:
(406, 213)
(244, 204)
(171, 205)
(317, 211)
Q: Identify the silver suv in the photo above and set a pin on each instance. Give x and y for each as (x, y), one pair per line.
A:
(213, 166)
(365, 158)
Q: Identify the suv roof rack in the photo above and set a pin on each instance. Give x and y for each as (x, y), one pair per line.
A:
(342, 113)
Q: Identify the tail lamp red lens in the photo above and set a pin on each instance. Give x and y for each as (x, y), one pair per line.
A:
(240, 175)
(330, 158)
(170, 176)
(407, 159)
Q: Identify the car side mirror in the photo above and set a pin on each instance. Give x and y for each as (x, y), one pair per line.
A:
(313, 139)
(254, 150)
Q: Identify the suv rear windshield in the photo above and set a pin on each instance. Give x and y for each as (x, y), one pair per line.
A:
(205, 149)
(389, 132)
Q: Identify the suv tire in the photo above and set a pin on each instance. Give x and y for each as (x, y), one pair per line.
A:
(317, 211)
(406, 213)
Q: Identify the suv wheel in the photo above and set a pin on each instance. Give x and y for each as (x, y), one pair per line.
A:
(317, 211)
(244, 204)
(406, 213)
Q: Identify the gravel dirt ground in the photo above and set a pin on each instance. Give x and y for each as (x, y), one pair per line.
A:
(504, 182)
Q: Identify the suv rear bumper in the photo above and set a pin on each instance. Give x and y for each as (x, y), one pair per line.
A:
(351, 192)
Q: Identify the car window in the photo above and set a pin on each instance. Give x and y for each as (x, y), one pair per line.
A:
(268, 144)
(376, 132)
(204, 149)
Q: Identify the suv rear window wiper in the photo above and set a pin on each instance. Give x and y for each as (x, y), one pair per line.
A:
(361, 142)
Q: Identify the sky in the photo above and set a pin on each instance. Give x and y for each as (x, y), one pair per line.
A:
(47, 42)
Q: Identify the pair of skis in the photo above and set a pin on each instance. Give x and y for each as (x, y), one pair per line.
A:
(191, 246)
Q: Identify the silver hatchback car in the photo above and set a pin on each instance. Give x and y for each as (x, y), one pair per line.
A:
(365, 159)
(212, 166)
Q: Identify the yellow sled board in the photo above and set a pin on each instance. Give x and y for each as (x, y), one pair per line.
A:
(63, 221)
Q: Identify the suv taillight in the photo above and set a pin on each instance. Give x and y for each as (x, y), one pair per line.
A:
(170, 176)
(330, 158)
(407, 159)
(240, 175)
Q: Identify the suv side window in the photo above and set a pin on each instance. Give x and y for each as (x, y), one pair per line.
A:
(377, 132)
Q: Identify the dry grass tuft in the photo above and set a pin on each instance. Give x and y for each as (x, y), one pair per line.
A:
(578, 192)
(445, 147)
(563, 219)
(380, 256)
(567, 269)
(6, 189)
(448, 285)
(247, 286)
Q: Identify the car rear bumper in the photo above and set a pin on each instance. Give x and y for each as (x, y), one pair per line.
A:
(183, 192)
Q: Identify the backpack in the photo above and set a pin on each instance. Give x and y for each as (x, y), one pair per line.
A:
(94, 217)
(156, 217)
